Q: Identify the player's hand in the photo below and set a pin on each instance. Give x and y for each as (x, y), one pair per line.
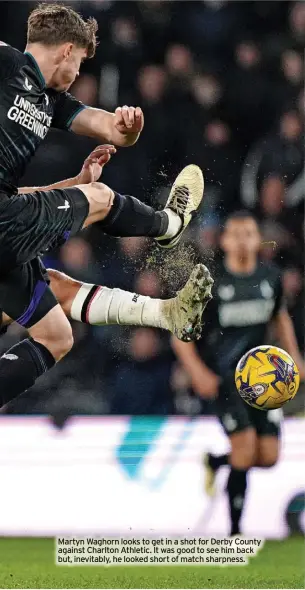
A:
(129, 120)
(206, 383)
(94, 164)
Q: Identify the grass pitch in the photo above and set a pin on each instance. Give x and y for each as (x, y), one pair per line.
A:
(29, 563)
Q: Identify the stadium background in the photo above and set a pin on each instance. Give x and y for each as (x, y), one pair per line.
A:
(221, 85)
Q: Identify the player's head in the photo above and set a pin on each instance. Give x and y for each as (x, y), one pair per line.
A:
(241, 236)
(69, 38)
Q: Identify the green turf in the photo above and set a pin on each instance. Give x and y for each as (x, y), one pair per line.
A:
(29, 563)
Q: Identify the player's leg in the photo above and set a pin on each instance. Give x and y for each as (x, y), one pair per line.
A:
(234, 417)
(123, 215)
(242, 458)
(27, 299)
(35, 222)
(50, 332)
(99, 305)
(268, 450)
(268, 429)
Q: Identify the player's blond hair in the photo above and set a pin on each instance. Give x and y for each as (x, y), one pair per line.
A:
(52, 24)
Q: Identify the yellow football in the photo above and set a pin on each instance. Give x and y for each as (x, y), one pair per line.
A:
(267, 377)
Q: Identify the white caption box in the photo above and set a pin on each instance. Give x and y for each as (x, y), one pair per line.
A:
(155, 551)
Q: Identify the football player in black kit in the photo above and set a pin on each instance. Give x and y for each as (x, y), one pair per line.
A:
(34, 97)
(247, 298)
(98, 305)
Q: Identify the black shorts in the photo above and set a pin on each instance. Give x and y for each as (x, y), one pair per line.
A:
(235, 415)
(30, 225)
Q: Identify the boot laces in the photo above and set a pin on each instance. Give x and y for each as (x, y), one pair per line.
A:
(180, 199)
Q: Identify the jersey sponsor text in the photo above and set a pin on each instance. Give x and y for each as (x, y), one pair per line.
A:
(29, 116)
(245, 313)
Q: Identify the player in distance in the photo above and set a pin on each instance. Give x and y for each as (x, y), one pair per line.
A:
(33, 98)
(247, 299)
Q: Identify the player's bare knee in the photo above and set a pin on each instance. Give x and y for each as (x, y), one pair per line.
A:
(66, 342)
(98, 193)
(268, 454)
(267, 461)
(101, 195)
(58, 346)
(64, 289)
(242, 460)
(97, 185)
(243, 449)
(54, 332)
(100, 198)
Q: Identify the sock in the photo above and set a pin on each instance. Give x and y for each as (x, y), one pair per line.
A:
(216, 461)
(20, 366)
(236, 488)
(174, 225)
(130, 217)
(101, 306)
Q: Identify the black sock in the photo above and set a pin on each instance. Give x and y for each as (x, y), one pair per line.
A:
(129, 217)
(236, 488)
(216, 461)
(20, 366)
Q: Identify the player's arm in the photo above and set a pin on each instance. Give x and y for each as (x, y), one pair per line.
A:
(287, 338)
(284, 328)
(90, 172)
(204, 381)
(121, 128)
(61, 184)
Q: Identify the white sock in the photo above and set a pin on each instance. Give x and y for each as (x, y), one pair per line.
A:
(102, 306)
(174, 224)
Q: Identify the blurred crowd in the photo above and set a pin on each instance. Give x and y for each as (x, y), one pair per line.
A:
(221, 85)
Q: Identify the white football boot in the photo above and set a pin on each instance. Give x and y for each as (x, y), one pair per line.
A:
(184, 199)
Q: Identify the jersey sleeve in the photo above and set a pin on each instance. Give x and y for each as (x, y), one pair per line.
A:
(9, 60)
(66, 109)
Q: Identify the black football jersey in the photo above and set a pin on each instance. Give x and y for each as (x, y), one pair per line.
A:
(27, 111)
(239, 314)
